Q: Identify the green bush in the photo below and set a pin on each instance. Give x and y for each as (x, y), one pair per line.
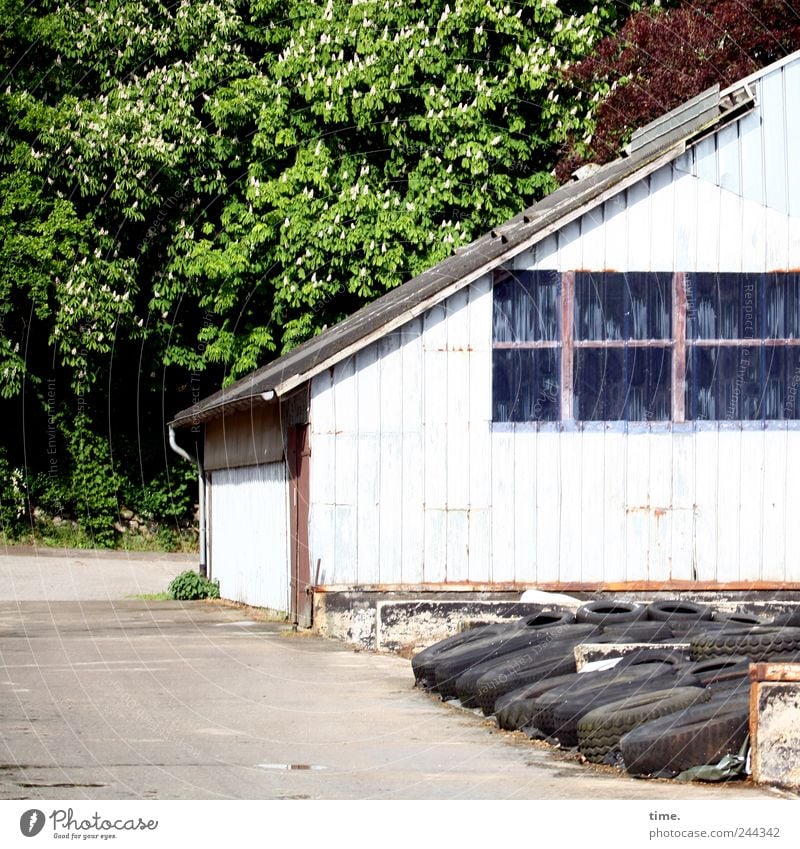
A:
(189, 586)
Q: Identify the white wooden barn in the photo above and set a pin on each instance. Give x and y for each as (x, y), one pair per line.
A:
(600, 394)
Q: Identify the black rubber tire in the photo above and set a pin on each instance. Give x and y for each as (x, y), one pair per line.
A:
(715, 670)
(642, 631)
(739, 618)
(422, 662)
(561, 722)
(455, 663)
(758, 643)
(546, 619)
(697, 735)
(675, 611)
(600, 730)
(509, 664)
(607, 612)
(789, 619)
(494, 683)
(513, 710)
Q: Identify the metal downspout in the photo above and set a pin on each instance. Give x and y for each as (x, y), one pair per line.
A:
(201, 496)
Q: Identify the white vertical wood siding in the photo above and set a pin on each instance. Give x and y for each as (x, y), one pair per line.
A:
(249, 534)
(411, 482)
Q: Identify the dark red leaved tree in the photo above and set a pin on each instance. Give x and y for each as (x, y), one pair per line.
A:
(662, 57)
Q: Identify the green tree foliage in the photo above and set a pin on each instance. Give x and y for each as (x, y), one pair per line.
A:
(189, 188)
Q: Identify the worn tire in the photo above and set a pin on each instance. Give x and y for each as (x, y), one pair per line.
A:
(697, 735)
(455, 663)
(513, 710)
(757, 643)
(642, 631)
(676, 611)
(607, 612)
(494, 683)
(641, 657)
(739, 618)
(715, 670)
(422, 662)
(600, 730)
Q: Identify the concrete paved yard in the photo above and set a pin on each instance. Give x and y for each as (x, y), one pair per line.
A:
(118, 698)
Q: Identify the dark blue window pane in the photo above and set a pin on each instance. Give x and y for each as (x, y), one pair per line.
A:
(724, 383)
(615, 306)
(526, 307)
(724, 306)
(623, 383)
(525, 384)
(782, 306)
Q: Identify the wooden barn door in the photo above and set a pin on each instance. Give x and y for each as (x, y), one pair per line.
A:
(299, 492)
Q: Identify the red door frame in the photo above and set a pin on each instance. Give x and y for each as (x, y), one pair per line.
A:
(299, 451)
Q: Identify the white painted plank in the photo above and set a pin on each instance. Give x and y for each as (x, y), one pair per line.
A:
(730, 520)
(637, 508)
(345, 397)
(457, 545)
(639, 231)
(792, 506)
(751, 504)
(613, 495)
(391, 494)
(480, 544)
(322, 410)
(794, 243)
(569, 247)
(661, 507)
(683, 501)
(773, 128)
(752, 157)
(548, 507)
(686, 223)
(458, 450)
(706, 455)
(774, 530)
(662, 220)
(705, 160)
(412, 393)
(480, 465)
(707, 227)
(345, 545)
(524, 503)
(435, 399)
(729, 158)
(593, 248)
(321, 543)
(480, 314)
(346, 481)
(369, 397)
(776, 225)
(616, 233)
(503, 506)
(480, 386)
(390, 357)
(791, 81)
(434, 467)
(368, 508)
(730, 232)
(592, 505)
(434, 328)
(754, 237)
(323, 468)
(457, 310)
(545, 254)
(412, 541)
(570, 516)
(435, 569)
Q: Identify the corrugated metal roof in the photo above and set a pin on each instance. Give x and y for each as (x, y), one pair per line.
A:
(653, 146)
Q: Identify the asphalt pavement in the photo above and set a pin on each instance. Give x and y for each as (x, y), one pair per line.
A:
(103, 696)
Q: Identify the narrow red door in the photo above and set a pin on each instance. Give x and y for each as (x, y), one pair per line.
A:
(299, 459)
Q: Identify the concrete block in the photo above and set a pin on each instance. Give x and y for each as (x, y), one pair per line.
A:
(775, 724)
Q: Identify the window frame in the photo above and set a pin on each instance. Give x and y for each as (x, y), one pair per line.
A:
(679, 345)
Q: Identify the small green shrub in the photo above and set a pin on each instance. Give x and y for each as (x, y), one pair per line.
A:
(189, 586)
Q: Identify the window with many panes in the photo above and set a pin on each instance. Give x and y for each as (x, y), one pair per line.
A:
(645, 346)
